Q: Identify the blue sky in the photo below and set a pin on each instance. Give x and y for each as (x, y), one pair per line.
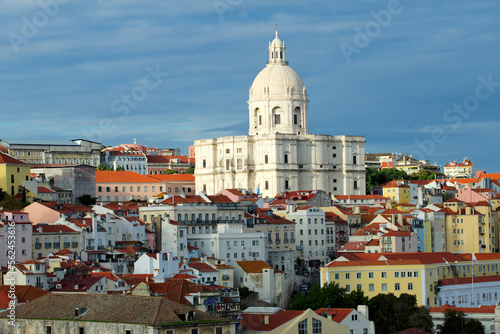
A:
(66, 65)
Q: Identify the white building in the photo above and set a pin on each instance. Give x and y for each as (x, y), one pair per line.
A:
(161, 265)
(357, 320)
(18, 225)
(230, 243)
(310, 232)
(279, 154)
(126, 157)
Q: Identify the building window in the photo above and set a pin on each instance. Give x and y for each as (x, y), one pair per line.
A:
(227, 151)
(277, 119)
(354, 160)
(317, 329)
(397, 286)
(218, 330)
(370, 275)
(384, 274)
(358, 275)
(204, 163)
(228, 163)
(355, 184)
(286, 184)
(410, 286)
(239, 164)
(347, 288)
(266, 185)
(303, 327)
(286, 158)
(371, 287)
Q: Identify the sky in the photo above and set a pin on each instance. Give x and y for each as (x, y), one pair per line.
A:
(413, 77)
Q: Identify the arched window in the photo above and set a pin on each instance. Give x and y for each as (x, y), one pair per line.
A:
(296, 116)
(277, 116)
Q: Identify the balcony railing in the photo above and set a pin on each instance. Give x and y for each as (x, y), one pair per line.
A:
(39, 285)
(299, 247)
(66, 245)
(101, 247)
(48, 245)
(285, 240)
(38, 245)
(225, 277)
(278, 241)
(269, 240)
(292, 240)
(56, 244)
(74, 244)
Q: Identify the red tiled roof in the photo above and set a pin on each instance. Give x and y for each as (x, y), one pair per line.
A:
(165, 159)
(255, 322)
(174, 177)
(480, 309)
(183, 276)
(254, 267)
(201, 266)
(392, 233)
(415, 258)
(122, 177)
(68, 208)
(52, 229)
(24, 294)
(7, 159)
(44, 190)
(338, 314)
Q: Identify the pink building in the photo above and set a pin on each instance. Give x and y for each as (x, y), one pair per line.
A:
(175, 184)
(469, 195)
(19, 245)
(116, 186)
(398, 242)
(50, 212)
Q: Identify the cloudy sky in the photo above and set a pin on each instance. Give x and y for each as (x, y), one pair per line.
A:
(417, 77)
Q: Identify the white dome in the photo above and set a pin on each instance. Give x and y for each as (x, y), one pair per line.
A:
(277, 80)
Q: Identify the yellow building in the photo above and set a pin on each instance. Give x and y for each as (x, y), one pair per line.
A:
(12, 173)
(397, 190)
(397, 273)
(470, 228)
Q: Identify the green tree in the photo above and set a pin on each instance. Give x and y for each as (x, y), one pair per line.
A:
(330, 294)
(170, 171)
(120, 168)
(391, 314)
(376, 177)
(10, 203)
(454, 322)
(244, 292)
(86, 199)
(473, 326)
(190, 170)
(101, 167)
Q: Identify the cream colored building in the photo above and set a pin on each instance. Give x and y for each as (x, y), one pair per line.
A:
(60, 152)
(279, 154)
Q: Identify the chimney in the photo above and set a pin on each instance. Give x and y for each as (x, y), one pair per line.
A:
(363, 309)
(266, 319)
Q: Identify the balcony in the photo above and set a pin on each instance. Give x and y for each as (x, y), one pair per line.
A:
(285, 240)
(66, 244)
(101, 247)
(225, 277)
(56, 244)
(278, 241)
(74, 244)
(48, 245)
(38, 245)
(269, 240)
(39, 285)
(299, 248)
(292, 240)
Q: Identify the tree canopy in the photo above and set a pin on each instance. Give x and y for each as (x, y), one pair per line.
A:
(329, 295)
(375, 177)
(392, 314)
(86, 199)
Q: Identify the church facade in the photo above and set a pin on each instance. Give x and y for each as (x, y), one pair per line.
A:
(279, 154)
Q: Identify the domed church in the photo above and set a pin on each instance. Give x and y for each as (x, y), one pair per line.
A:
(279, 154)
